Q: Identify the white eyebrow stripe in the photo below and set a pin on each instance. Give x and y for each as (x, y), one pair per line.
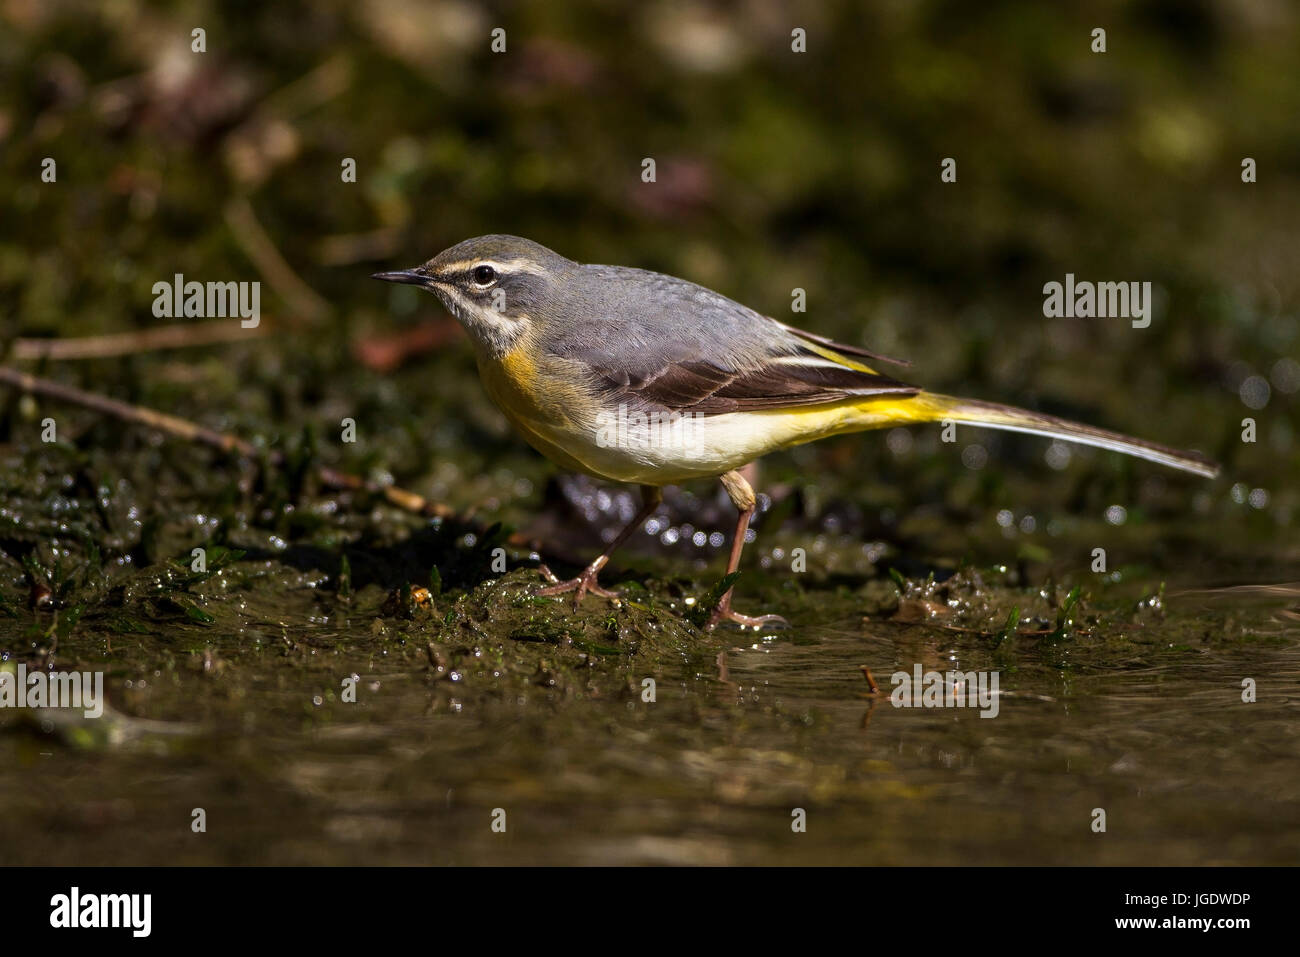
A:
(514, 265)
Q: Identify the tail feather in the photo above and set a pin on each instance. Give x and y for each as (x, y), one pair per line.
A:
(1011, 419)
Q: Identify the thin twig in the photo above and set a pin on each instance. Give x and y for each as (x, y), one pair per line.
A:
(261, 249)
(871, 682)
(324, 83)
(348, 249)
(191, 431)
(129, 343)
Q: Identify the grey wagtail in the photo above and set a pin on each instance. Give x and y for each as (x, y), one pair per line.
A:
(634, 376)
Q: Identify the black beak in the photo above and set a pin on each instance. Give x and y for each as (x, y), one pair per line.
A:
(410, 277)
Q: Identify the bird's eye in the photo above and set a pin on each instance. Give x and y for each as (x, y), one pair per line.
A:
(483, 275)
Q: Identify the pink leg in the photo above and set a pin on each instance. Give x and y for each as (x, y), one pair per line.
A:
(586, 581)
(742, 496)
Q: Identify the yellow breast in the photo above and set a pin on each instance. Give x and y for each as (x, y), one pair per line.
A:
(549, 408)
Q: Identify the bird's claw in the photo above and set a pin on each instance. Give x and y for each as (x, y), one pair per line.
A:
(724, 613)
(585, 582)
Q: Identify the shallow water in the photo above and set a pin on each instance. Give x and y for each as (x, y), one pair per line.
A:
(1144, 720)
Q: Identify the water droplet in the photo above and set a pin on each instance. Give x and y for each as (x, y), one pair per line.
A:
(1254, 392)
(974, 457)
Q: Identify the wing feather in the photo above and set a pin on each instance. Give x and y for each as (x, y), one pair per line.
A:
(701, 387)
(842, 347)
(660, 342)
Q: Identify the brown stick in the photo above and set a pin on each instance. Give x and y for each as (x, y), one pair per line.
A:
(193, 432)
(129, 343)
(261, 249)
(871, 682)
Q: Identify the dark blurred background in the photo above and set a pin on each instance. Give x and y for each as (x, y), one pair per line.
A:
(775, 170)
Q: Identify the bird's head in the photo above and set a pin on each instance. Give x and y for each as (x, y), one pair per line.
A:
(495, 285)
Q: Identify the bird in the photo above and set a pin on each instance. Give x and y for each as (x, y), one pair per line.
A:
(634, 376)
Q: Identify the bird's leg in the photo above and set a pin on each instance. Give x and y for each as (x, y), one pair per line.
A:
(742, 496)
(586, 582)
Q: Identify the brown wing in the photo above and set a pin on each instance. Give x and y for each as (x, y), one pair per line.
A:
(802, 379)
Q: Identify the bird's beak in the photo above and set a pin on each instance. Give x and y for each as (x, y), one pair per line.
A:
(410, 277)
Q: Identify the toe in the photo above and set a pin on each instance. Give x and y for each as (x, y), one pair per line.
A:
(749, 621)
(559, 588)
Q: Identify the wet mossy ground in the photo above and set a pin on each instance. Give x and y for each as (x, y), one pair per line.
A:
(348, 682)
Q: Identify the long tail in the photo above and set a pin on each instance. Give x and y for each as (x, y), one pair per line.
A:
(1011, 419)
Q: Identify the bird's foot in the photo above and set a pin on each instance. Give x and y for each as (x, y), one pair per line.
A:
(724, 613)
(585, 582)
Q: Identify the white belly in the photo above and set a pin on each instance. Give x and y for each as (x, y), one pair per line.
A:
(630, 447)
